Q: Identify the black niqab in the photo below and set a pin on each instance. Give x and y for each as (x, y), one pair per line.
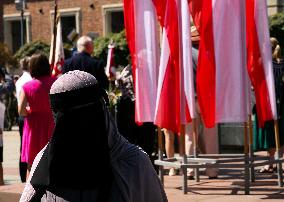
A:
(77, 157)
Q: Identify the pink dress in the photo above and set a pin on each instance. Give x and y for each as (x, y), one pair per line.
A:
(39, 123)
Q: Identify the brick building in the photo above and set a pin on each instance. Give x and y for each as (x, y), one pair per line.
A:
(88, 17)
(275, 6)
(91, 17)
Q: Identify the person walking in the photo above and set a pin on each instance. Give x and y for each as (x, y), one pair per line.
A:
(6, 86)
(34, 105)
(84, 62)
(24, 78)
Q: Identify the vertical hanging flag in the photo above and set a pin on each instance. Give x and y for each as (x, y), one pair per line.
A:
(168, 98)
(141, 33)
(58, 62)
(260, 60)
(187, 78)
(222, 80)
(175, 99)
(110, 67)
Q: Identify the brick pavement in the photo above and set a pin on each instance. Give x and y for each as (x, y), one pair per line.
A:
(228, 187)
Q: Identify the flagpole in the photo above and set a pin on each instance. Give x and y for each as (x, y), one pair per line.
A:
(277, 144)
(54, 32)
(195, 143)
(183, 154)
(251, 154)
(246, 158)
(160, 154)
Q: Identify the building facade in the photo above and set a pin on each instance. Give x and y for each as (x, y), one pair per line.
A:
(86, 17)
(275, 6)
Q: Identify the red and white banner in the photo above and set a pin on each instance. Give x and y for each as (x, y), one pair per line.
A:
(175, 99)
(110, 67)
(260, 60)
(223, 87)
(59, 52)
(141, 32)
(222, 79)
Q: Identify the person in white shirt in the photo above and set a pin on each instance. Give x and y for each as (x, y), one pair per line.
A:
(24, 65)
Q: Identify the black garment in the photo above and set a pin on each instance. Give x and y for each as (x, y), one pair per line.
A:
(278, 72)
(80, 134)
(11, 112)
(22, 165)
(264, 138)
(84, 62)
(141, 135)
(6, 96)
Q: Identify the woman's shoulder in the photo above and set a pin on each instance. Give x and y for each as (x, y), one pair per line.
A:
(47, 79)
(31, 83)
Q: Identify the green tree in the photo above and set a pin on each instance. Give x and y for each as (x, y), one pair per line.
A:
(121, 51)
(36, 47)
(276, 27)
(31, 48)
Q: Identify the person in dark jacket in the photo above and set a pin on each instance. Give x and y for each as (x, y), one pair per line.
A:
(84, 62)
(6, 87)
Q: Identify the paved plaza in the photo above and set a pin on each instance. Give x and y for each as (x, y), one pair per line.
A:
(228, 187)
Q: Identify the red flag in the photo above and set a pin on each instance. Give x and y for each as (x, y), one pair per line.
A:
(260, 60)
(56, 66)
(175, 98)
(195, 7)
(142, 37)
(168, 98)
(222, 80)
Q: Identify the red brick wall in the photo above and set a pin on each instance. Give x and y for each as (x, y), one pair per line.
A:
(91, 19)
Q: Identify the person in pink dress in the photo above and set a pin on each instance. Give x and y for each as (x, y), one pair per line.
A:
(34, 105)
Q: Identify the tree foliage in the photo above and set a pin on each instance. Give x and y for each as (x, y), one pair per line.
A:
(38, 47)
(30, 48)
(121, 51)
(276, 27)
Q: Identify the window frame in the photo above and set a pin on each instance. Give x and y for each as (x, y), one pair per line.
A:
(69, 12)
(106, 9)
(8, 18)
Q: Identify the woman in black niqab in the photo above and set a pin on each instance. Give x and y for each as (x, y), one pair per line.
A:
(86, 159)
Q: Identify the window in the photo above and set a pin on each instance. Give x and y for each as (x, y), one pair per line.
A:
(68, 23)
(70, 20)
(116, 21)
(113, 18)
(12, 30)
(16, 37)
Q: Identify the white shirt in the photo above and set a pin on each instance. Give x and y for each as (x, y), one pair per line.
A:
(20, 82)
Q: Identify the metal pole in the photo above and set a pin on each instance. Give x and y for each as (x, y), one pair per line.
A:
(251, 154)
(54, 32)
(195, 133)
(246, 149)
(277, 152)
(22, 26)
(161, 153)
(183, 154)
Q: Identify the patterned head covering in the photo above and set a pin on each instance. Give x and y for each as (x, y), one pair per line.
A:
(72, 80)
